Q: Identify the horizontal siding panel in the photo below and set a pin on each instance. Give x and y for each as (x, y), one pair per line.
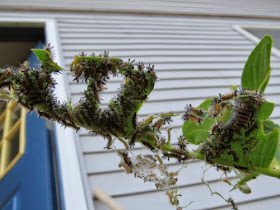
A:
(143, 31)
(122, 26)
(70, 54)
(200, 194)
(78, 35)
(157, 41)
(156, 47)
(264, 203)
(102, 20)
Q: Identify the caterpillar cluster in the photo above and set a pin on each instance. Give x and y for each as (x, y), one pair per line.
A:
(120, 117)
(245, 104)
(34, 89)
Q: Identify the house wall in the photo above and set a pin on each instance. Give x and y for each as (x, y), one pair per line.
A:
(195, 58)
(252, 8)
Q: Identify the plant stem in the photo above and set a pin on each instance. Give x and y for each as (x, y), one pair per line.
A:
(266, 171)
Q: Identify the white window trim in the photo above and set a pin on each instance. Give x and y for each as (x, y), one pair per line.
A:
(72, 183)
(240, 29)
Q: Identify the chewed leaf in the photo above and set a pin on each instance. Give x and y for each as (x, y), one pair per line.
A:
(268, 127)
(46, 59)
(257, 69)
(266, 110)
(266, 149)
(197, 133)
(258, 146)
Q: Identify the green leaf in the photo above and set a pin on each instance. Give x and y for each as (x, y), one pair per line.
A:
(257, 69)
(266, 149)
(266, 110)
(256, 149)
(197, 133)
(268, 135)
(46, 59)
(269, 126)
(206, 104)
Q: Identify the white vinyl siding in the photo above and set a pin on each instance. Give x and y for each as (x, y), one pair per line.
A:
(195, 58)
(248, 8)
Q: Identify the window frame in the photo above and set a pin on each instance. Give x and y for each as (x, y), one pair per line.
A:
(242, 30)
(74, 193)
(8, 132)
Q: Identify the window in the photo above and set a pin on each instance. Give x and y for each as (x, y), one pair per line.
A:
(16, 40)
(12, 133)
(260, 32)
(255, 33)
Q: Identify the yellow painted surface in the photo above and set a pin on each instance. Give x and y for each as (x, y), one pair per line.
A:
(22, 134)
(2, 116)
(13, 130)
(8, 132)
(5, 144)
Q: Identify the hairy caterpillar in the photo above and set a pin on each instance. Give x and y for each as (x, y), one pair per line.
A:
(214, 128)
(192, 118)
(217, 107)
(228, 96)
(5, 75)
(147, 144)
(189, 108)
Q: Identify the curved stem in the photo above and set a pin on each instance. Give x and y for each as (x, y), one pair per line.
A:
(266, 171)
